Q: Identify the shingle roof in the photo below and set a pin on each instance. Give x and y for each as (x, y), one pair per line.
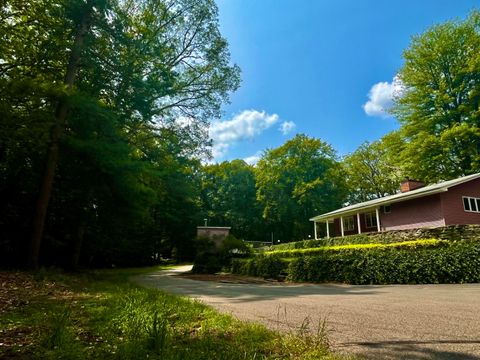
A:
(387, 200)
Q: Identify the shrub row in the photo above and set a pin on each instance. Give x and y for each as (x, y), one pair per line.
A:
(414, 244)
(271, 266)
(456, 262)
(449, 233)
(308, 244)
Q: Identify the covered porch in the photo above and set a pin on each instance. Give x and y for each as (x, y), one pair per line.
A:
(348, 223)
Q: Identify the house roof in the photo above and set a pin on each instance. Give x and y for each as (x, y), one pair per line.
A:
(387, 200)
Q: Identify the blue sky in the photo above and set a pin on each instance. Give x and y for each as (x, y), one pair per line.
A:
(309, 67)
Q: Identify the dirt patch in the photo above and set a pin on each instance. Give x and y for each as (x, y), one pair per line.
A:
(19, 288)
(18, 291)
(15, 290)
(227, 278)
(16, 337)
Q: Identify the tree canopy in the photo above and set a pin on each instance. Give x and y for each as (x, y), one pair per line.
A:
(105, 106)
(373, 169)
(296, 181)
(228, 196)
(439, 107)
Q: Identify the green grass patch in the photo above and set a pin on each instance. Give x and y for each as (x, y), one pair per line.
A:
(101, 315)
(413, 244)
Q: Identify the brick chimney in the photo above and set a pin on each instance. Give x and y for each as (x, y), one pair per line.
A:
(409, 185)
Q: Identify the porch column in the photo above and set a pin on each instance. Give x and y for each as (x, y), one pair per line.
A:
(358, 223)
(328, 230)
(341, 226)
(378, 219)
(315, 230)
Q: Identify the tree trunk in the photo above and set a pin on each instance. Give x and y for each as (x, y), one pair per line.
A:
(77, 245)
(82, 227)
(56, 134)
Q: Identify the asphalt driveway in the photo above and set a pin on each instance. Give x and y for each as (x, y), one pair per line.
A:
(384, 322)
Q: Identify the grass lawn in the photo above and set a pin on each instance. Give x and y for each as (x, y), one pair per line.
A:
(100, 314)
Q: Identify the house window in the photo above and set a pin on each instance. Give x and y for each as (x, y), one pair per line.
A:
(371, 220)
(386, 209)
(471, 204)
(348, 223)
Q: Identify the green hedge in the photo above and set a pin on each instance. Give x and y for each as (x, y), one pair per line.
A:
(269, 267)
(455, 262)
(414, 244)
(307, 244)
(449, 233)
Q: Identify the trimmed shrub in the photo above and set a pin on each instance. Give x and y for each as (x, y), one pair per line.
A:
(430, 263)
(449, 233)
(455, 263)
(263, 266)
(404, 244)
(309, 244)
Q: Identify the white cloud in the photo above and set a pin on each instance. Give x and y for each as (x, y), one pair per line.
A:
(381, 97)
(287, 127)
(252, 160)
(243, 126)
(219, 150)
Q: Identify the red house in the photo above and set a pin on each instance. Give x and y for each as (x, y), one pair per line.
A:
(453, 202)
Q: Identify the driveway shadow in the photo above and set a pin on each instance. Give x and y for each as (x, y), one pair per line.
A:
(413, 350)
(374, 316)
(238, 293)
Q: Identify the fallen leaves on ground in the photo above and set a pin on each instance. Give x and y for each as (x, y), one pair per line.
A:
(17, 290)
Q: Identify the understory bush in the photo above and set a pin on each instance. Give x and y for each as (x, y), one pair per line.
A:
(213, 255)
(207, 259)
(452, 262)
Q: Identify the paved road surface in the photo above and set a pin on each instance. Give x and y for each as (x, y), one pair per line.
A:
(379, 322)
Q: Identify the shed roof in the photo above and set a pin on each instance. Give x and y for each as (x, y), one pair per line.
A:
(214, 227)
(387, 200)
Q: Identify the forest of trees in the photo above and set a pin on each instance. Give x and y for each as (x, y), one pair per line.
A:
(104, 113)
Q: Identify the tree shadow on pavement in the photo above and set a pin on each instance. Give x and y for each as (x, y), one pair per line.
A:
(238, 293)
(221, 294)
(415, 350)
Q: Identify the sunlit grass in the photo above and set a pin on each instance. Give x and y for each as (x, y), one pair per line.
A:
(100, 314)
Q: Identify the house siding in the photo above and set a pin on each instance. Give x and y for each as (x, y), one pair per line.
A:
(415, 213)
(452, 203)
(363, 226)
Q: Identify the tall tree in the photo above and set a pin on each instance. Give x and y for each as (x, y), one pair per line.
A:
(82, 27)
(228, 197)
(153, 69)
(439, 108)
(374, 169)
(296, 181)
